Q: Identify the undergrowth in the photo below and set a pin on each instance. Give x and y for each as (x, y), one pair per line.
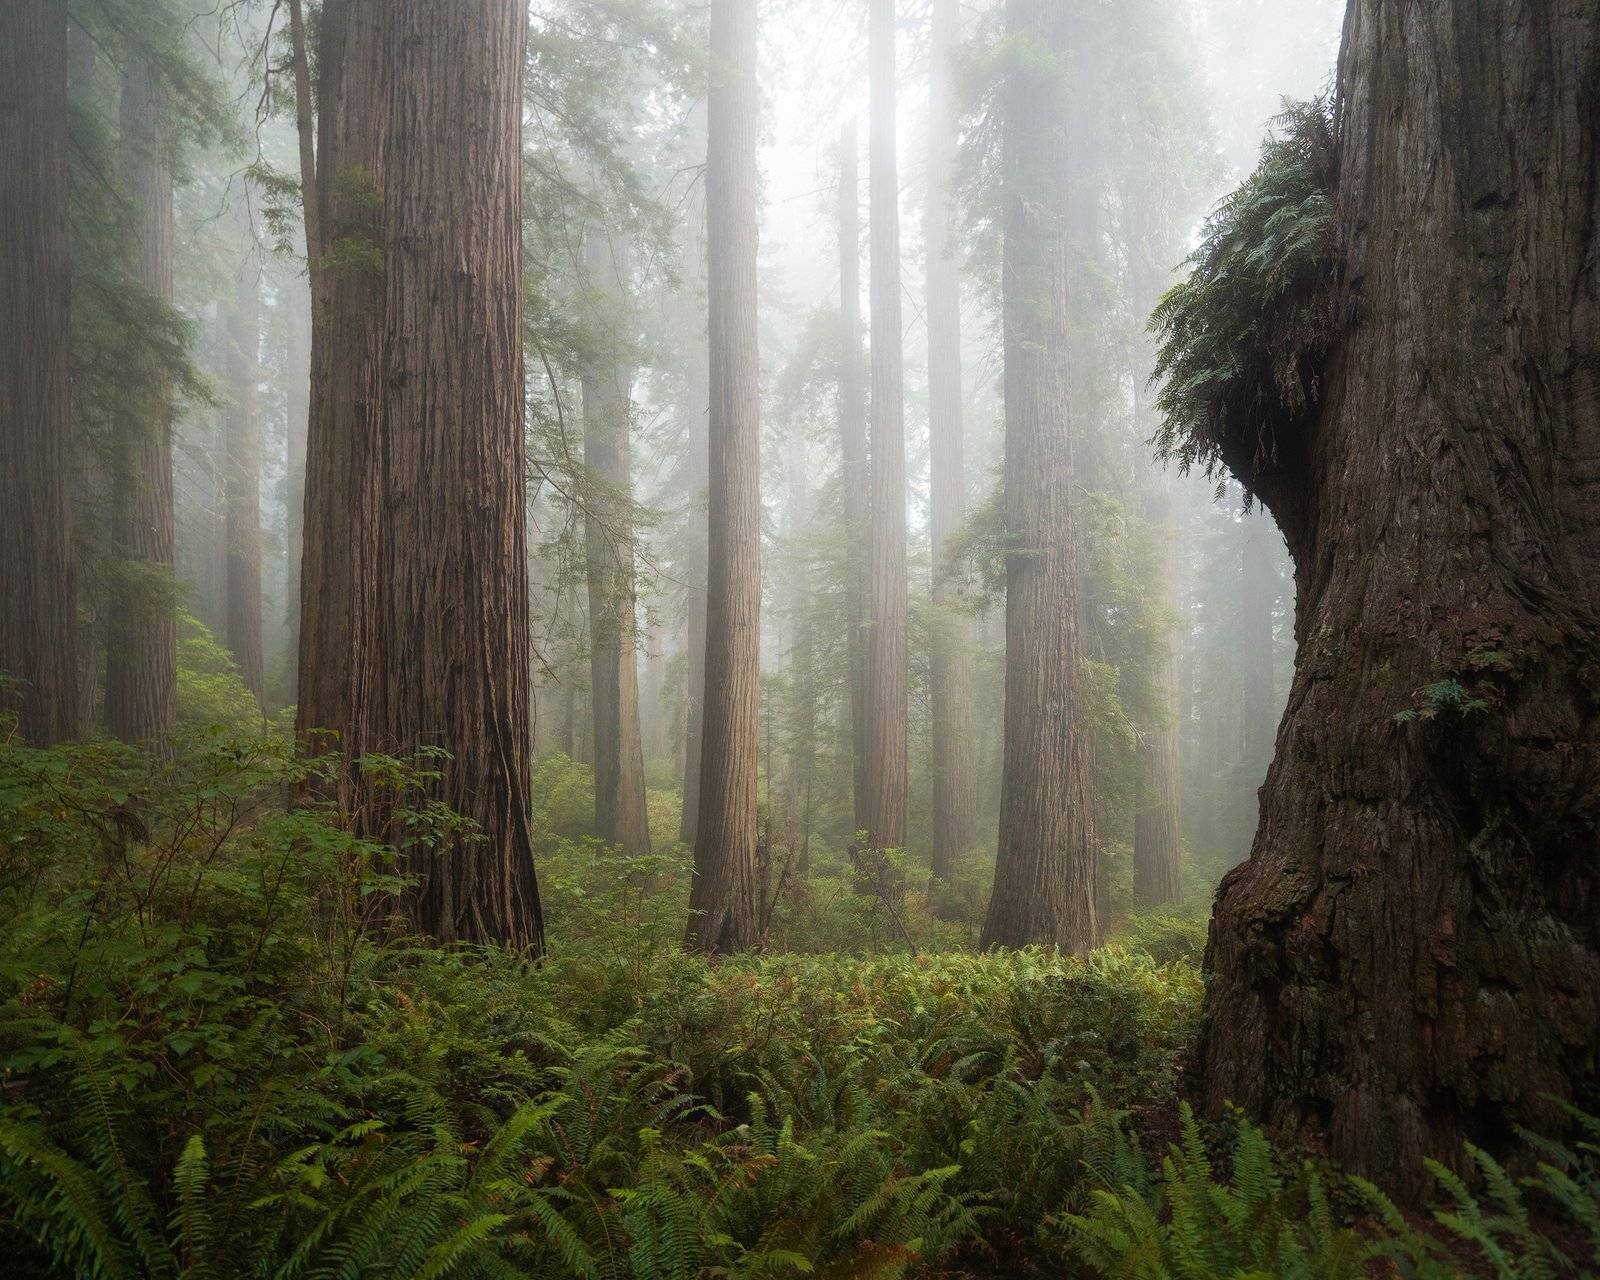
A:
(223, 1058)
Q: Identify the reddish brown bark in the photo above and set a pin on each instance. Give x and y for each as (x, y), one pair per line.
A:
(887, 686)
(142, 626)
(242, 444)
(955, 799)
(853, 452)
(1411, 955)
(619, 799)
(415, 582)
(38, 600)
(1045, 864)
(722, 902)
(338, 627)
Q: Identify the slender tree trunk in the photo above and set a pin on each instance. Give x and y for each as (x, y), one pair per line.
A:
(142, 638)
(298, 407)
(569, 719)
(694, 596)
(1157, 821)
(619, 801)
(1045, 866)
(801, 745)
(853, 452)
(954, 780)
(1258, 701)
(242, 444)
(305, 134)
(888, 690)
(1411, 954)
(722, 902)
(38, 600)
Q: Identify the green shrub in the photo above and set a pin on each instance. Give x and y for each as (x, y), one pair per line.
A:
(212, 696)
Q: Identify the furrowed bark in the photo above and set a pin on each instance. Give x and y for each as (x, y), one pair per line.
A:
(142, 626)
(1045, 866)
(722, 902)
(1411, 955)
(38, 599)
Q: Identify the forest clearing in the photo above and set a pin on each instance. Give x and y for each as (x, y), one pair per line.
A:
(709, 639)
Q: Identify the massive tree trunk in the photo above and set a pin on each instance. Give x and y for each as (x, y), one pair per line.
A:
(415, 632)
(888, 690)
(242, 445)
(1157, 820)
(722, 902)
(954, 784)
(453, 559)
(853, 453)
(619, 802)
(1411, 955)
(142, 632)
(38, 600)
(1044, 870)
(339, 654)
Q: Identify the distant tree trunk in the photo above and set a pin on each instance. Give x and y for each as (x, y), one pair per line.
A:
(722, 902)
(569, 719)
(619, 801)
(242, 444)
(1410, 956)
(142, 638)
(38, 599)
(1258, 700)
(853, 453)
(1045, 865)
(954, 780)
(1157, 821)
(801, 745)
(298, 407)
(694, 596)
(415, 589)
(888, 689)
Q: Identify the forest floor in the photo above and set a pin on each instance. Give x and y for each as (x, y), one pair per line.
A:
(218, 1061)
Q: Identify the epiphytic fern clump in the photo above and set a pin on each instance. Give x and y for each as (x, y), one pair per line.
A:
(1243, 340)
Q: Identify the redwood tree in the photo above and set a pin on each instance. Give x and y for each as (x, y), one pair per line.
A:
(1411, 955)
(1044, 868)
(415, 625)
(1157, 826)
(619, 800)
(954, 784)
(142, 639)
(853, 452)
(722, 902)
(242, 486)
(38, 602)
(887, 687)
